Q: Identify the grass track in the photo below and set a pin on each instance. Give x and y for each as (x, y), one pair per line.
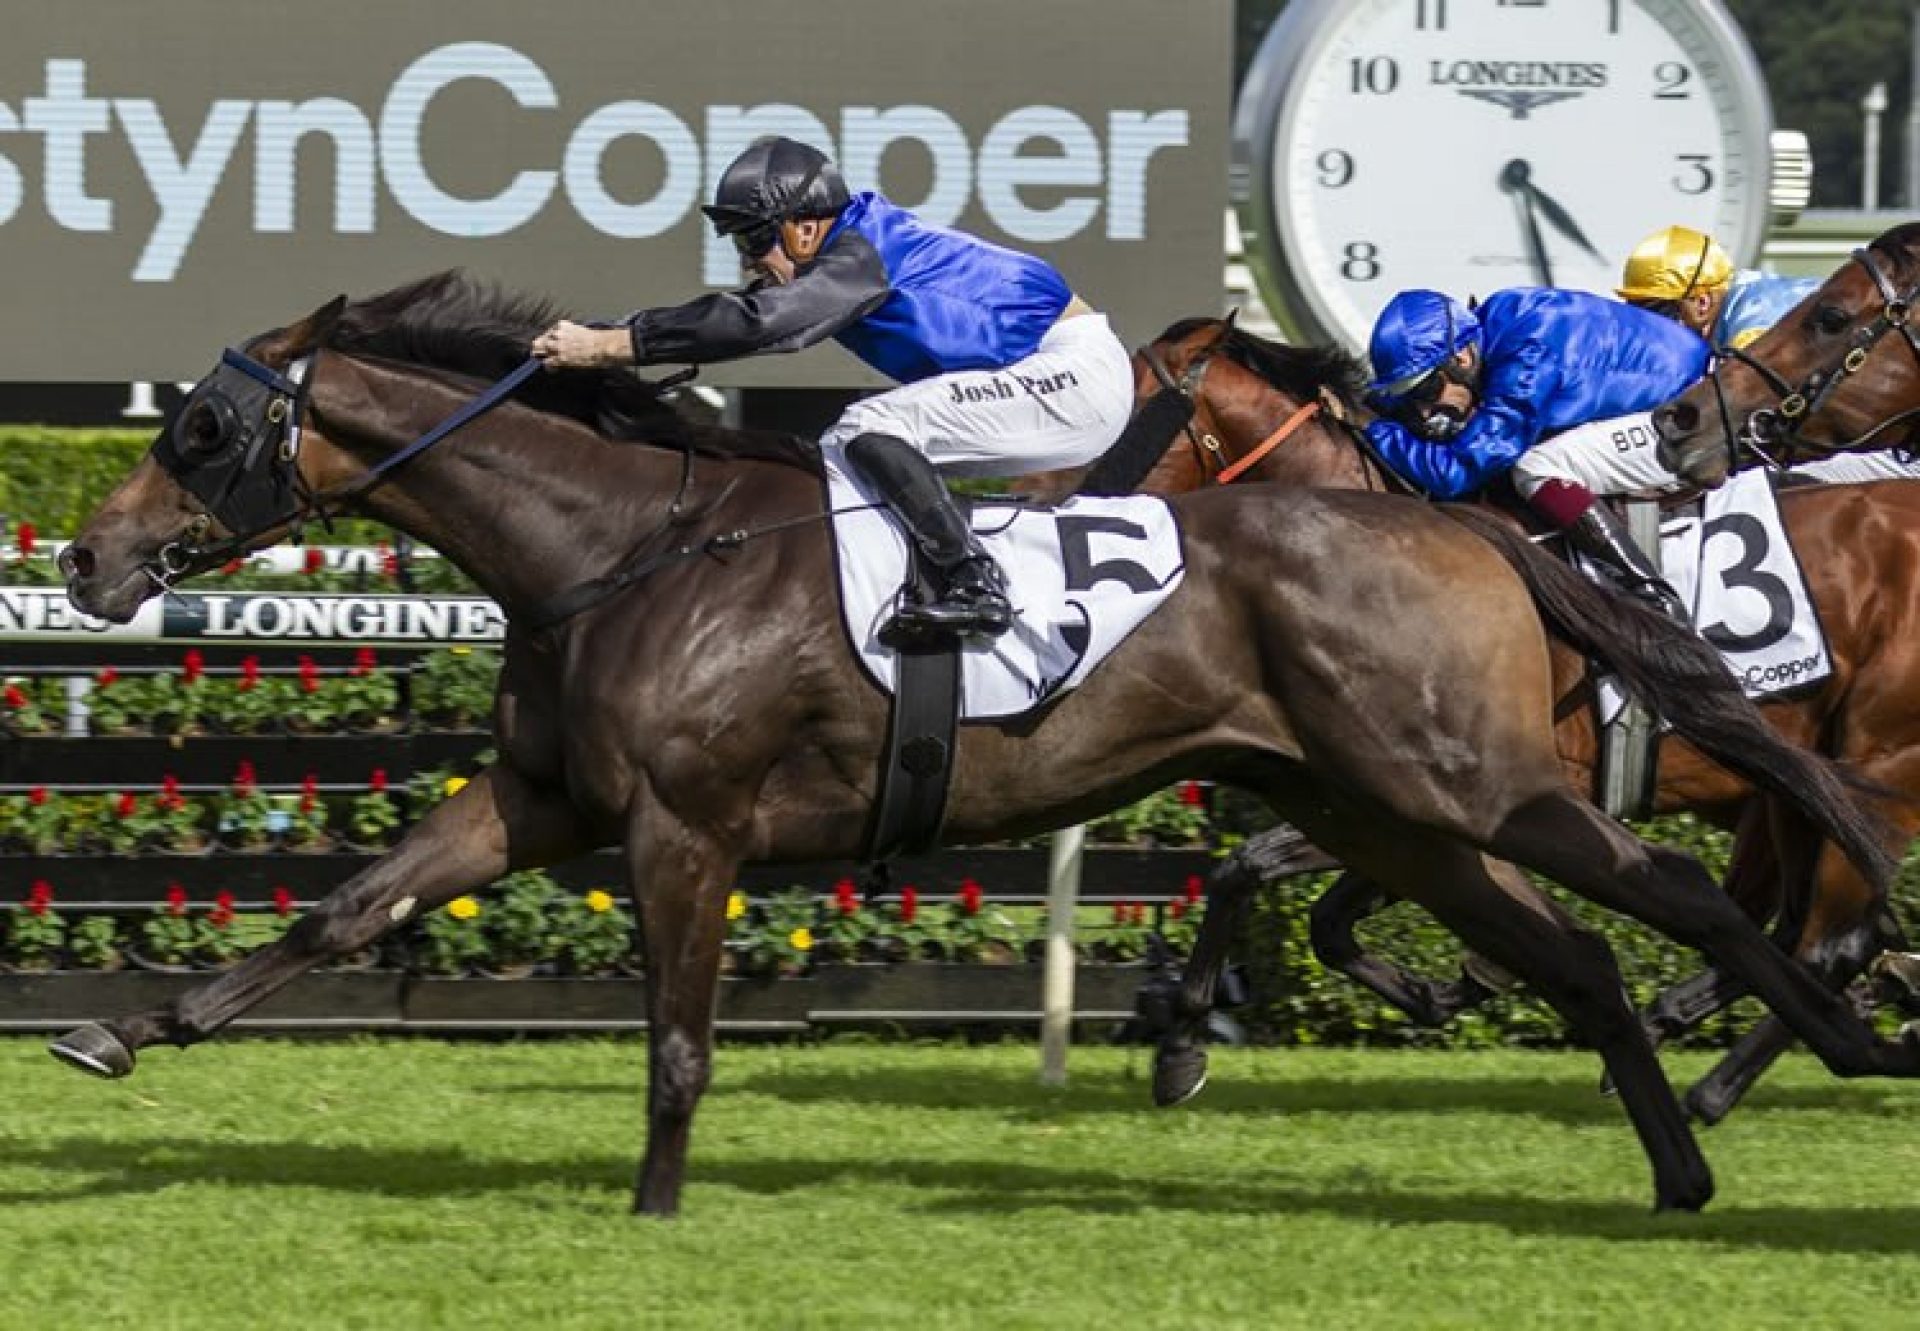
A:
(411, 1184)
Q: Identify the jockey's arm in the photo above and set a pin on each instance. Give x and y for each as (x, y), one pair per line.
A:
(844, 285)
(1505, 424)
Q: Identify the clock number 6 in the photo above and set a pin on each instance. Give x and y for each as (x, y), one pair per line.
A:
(1695, 177)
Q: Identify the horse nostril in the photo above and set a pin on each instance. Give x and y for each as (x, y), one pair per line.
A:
(76, 561)
(1676, 419)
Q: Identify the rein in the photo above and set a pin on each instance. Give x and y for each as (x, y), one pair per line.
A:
(1778, 428)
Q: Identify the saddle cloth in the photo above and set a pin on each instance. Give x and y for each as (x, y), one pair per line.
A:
(1729, 557)
(1081, 577)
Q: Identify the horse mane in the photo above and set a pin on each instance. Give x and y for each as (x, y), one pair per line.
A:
(1901, 244)
(454, 322)
(1299, 372)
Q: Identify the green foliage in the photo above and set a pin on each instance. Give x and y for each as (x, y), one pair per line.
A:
(454, 688)
(522, 919)
(592, 932)
(94, 942)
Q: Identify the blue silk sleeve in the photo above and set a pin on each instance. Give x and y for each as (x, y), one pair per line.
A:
(1505, 424)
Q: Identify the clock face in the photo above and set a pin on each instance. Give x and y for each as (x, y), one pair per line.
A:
(1472, 145)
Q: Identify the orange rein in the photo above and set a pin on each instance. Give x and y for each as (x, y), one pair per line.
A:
(1271, 442)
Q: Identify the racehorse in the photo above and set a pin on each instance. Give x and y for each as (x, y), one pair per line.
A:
(1257, 411)
(671, 686)
(1830, 379)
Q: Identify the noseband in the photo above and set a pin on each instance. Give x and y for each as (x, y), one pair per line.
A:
(1206, 447)
(1773, 434)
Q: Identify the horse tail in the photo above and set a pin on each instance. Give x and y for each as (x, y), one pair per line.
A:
(1683, 678)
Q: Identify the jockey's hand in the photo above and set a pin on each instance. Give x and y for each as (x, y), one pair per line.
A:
(1335, 406)
(571, 346)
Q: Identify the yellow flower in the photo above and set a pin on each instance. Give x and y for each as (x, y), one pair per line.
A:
(454, 784)
(460, 651)
(463, 908)
(599, 902)
(802, 939)
(736, 905)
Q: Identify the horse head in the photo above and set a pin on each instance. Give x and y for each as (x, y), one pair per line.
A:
(1818, 383)
(223, 477)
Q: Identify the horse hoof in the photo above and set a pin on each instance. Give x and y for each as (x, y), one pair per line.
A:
(1179, 1073)
(1705, 1107)
(94, 1049)
(1691, 1199)
(1607, 1088)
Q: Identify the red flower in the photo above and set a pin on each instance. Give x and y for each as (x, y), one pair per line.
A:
(40, 897)
(232, 566)
(193, 666)
(1177, 909)
(25, 538)
(176, 899)
(243, 778)
(1191, 795)
(309, 675)
(105, 677)
(970, 895)
(282, 902)
(1196, 888)
(37, 796)
(378, 781)
(364, 661)
(126, 806)
(309, 793)
(249, 673)
(16, 696)
(1139, 912)
(909, 904)
(1119, 912)
(846, 899)
(313, 561)
(170, 797)
(389, 562)
(222, 913)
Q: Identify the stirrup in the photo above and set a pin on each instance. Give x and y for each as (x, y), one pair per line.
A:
(987, 615)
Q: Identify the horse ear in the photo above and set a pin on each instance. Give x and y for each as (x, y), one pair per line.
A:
(1233, 316)
(314, 331)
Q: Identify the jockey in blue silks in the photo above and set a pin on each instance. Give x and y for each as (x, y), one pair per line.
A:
(1553, 386)
(1004, 370)
(1687, 276)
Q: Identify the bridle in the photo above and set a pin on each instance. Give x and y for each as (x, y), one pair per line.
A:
(247, 470)
(1206, 445)
(1773, 434)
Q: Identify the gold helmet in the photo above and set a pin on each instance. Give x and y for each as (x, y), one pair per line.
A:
(1672, 264)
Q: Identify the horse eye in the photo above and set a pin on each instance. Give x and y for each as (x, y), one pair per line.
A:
(1831, 319)
(206, 425)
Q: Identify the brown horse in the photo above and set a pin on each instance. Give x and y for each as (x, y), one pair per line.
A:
(672, 686)
(1860, 546)
(1830, 378)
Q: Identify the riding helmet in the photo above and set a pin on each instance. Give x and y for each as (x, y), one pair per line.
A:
(1672, 264)
(774, 180)
(1413, 337)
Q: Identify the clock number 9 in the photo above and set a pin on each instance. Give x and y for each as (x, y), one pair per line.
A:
(1695, 176)
(1362, 263)
(1336, 168)
(1378, 74)
(1673, 77)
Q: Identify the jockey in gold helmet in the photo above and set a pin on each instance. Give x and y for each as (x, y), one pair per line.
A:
(1686, 275)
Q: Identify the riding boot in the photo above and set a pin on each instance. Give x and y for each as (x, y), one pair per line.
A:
(972, 602)
(1598, 534)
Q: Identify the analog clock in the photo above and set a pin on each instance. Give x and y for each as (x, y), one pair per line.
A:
(1471, 145)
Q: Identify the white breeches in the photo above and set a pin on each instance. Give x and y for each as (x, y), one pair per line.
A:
(1063, 406)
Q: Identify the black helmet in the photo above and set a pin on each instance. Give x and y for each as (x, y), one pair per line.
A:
(774, 180)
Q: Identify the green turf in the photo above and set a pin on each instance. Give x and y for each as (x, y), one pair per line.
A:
(409, 1184)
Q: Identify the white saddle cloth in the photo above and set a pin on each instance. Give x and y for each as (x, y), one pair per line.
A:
(1082, 576)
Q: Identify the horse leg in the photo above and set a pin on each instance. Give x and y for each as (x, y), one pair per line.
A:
(1426, 1002)
(679, 876)
(1568, 840)
(496, 823)
(1495, 911)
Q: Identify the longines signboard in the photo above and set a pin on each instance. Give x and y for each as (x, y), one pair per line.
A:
(175, 176)
(184, 616)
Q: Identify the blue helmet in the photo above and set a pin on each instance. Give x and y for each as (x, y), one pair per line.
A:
(1413, 337)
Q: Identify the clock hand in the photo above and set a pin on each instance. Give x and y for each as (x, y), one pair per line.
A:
(1563, 221)
(1514, 179)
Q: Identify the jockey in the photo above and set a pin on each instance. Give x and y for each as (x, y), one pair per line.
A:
(1004, 370)
(1553, 386)
(1686, 275)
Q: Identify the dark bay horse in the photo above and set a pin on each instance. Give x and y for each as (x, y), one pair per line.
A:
(1860, 547)
(675, 684)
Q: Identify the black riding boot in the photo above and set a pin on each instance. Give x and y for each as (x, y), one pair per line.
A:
(1600, 535)
(973, 601)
